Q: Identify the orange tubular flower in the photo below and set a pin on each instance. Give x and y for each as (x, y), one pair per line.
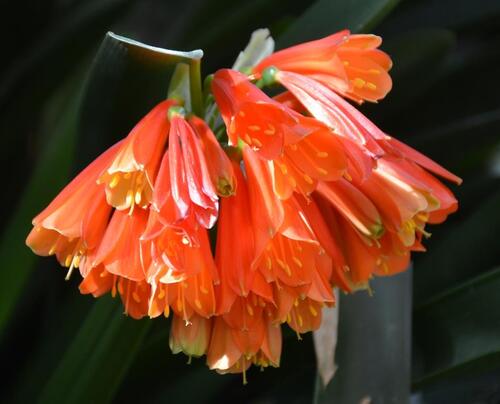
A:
(74, 222)
(120, 250)
(250, 115)
(348, 64)
(191, 337)
(218, 163)
(182, 274)
(130, 177)
(184, 186)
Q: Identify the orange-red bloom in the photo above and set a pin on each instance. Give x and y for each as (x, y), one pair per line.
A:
(305, 194)
(349, 64)
(129, 178)
(74, 222)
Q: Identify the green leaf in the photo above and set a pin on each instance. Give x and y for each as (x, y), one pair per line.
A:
(373, 345)
(98, 357)
(457, 331)
(325, 17)
(160, 55)
(127, 79)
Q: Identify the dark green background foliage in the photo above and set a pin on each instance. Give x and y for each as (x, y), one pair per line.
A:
(62, 102)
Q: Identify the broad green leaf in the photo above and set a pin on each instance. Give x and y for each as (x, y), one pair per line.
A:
(373, 347)
(469, 247)
(134, 77)
(457, 331)
(98, 357)
(325, 17)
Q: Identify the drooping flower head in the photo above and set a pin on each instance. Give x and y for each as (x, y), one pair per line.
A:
(242, 215)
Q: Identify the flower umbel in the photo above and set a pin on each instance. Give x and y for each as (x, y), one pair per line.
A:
(245, 216)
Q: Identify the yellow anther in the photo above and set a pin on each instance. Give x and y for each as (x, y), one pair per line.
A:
(129, 198)
(198, 303)
(283, 169)
(138, 197)
(204, 290)
(68, 260)
(136, 297)
(166, 311)
(374, 71)
(179, 305)
(249, 309)
(297, 261)
(269, 262)
(301, 320)
(370, 86)
(281, 263)
(53, 249)
(308, 179)
(256, 142)
(127, 175)
(120, 288)
(296, 303)
(247, 138)
(114, 181)
(185, 240)
(271, 131)
(322, 154)
(288, 318)
(313, 311)
(103, 274)
(322, 171)
(242, 114)
(293, 147)
(292, 181)
(254, 128)
(346, 63)
(358, 82)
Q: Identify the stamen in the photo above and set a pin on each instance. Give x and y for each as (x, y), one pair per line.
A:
(136, 297)
(114, 181)
(256, 142)
(313, 310)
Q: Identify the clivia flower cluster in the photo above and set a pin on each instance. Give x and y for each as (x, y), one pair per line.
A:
(239, 222)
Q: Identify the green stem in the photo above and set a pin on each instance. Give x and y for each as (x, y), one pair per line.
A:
(196, 91)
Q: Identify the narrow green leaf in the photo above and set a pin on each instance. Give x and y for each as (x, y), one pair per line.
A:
(457, 332)
(166, 56)
(325, 17)
(98, 357)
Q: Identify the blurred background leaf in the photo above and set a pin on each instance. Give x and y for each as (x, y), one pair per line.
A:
(55, 117)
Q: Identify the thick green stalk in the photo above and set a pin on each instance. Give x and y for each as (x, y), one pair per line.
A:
(196, 90)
